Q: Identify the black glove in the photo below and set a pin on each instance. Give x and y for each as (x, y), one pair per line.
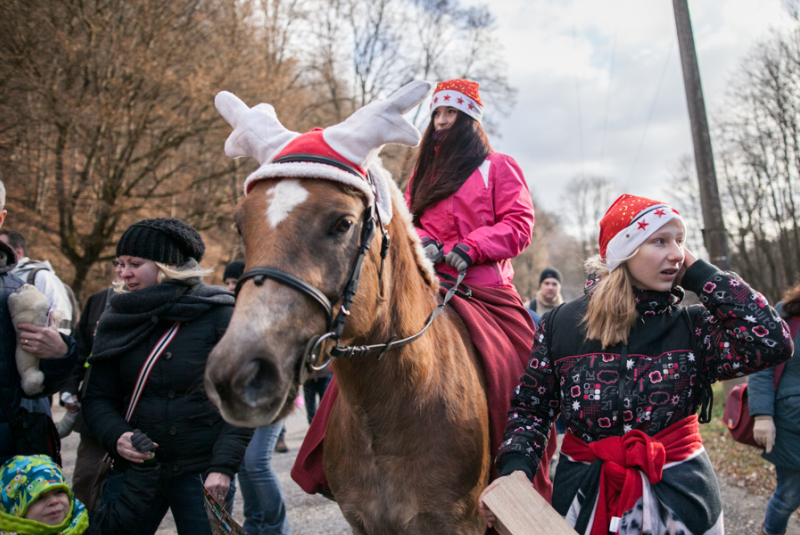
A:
(141, 442)
(458, 258)
(433, 250)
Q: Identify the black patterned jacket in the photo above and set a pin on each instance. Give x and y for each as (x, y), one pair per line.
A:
(672, 352)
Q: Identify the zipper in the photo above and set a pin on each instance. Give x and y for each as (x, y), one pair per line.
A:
(623, 373)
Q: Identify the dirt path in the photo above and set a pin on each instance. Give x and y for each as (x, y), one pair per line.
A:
(314, 515)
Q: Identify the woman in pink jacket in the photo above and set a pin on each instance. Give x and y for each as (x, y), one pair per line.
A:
(471, 205)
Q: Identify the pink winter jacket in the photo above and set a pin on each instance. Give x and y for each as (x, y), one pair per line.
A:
(492, 213)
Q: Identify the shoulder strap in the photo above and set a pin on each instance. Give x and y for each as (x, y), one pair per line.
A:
(32, 274)
(147, 367)
(794, 327)
(704, 382)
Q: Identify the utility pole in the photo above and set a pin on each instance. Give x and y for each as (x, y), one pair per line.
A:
(715, 237)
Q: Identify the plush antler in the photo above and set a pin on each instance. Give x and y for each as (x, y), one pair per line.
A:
(257, 132)
(378, 123)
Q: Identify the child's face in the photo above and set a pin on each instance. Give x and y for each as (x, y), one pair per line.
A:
(50, 508)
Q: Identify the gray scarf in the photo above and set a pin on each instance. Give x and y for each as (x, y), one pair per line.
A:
(132, 316)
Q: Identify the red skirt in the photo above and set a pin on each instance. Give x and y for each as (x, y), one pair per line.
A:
(502, 331)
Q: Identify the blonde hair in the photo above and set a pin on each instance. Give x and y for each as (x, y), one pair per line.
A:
(165, 272)
(612, 306)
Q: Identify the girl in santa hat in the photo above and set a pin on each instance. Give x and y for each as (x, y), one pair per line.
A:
(473, 213)
(629, 367)
(471, 205)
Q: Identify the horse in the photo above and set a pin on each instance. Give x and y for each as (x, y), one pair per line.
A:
(407, 446)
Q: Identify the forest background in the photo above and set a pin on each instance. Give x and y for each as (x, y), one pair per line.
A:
(107, 117)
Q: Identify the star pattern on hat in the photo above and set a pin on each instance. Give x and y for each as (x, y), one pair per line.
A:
(643, 224)
(660, 212)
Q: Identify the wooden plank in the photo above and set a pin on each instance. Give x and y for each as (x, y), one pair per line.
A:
(520, 510)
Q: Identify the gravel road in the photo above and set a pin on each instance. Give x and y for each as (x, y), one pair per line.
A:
(314, 515)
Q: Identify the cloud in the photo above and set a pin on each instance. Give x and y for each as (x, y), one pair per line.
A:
(588, 77)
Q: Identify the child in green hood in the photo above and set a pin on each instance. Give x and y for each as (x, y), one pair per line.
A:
(36, 500)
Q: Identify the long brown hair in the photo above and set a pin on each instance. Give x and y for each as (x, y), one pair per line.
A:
(439, 173)
(791, 301)
(612, 306)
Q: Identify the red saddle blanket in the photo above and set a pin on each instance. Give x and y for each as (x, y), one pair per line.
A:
(502, 331)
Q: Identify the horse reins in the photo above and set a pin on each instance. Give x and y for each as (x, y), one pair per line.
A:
(335, 325)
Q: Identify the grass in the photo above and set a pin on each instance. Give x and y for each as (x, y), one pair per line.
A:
(741, 465)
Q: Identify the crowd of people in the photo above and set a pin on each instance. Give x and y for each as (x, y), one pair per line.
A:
(624, 369)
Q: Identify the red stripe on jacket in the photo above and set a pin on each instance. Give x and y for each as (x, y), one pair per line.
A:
(624, 457)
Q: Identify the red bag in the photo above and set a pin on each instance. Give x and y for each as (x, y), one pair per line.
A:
(737, 412)
(737, 416)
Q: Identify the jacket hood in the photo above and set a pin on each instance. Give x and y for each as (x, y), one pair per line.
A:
(8, 258)
(26, 264)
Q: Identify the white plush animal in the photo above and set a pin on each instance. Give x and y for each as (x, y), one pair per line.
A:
(28, 305)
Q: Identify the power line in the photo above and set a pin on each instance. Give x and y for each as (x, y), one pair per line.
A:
(652, 108)
(577, 88)
(610, 79)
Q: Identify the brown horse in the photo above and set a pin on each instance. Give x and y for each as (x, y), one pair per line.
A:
(407, 443)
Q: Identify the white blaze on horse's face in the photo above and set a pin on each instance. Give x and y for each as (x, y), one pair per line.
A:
(282, 199)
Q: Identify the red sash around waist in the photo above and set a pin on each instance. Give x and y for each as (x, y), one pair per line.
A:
(624, 458)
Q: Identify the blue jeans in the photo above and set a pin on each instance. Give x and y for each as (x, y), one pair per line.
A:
(182, 494)
(785, 500)
(264, 504)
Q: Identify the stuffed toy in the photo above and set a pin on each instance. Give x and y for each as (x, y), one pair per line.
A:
(28, 305)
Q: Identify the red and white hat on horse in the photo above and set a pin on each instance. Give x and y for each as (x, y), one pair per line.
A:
(341, 152)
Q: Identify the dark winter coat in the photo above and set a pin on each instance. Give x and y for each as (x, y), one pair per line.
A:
(783, 406)
(174, 410)
(84, 338)
(55, 370)
(673, 355)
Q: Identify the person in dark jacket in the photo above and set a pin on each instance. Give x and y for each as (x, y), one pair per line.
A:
(628, 368)
(777, 424)
(57, 350)
(90, 451)
(163, 290)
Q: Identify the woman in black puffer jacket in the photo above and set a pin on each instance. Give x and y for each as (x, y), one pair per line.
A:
(196, 448)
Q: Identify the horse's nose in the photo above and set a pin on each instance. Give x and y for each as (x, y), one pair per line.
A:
(254, 380)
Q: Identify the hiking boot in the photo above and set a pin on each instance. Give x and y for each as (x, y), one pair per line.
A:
(280, 446)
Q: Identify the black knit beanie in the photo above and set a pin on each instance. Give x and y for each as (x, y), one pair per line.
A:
(550, 273)
(233, 270)
(165, 240)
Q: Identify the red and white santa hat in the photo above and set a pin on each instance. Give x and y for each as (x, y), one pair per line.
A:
(341, 153)
(460, 94)
(628, 224)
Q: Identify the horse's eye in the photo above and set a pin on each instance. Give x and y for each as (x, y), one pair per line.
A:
(342, 226)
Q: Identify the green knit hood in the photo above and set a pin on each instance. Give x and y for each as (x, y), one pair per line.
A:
(22, 480)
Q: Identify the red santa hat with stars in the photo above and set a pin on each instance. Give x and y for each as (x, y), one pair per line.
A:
(628, 224)
(460, 94)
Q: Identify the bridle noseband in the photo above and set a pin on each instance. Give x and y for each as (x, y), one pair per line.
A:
(335, 326)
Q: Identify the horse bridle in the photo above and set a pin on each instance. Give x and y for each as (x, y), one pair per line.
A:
(335, 326)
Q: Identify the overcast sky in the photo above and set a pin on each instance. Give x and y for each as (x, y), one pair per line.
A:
(600, 87)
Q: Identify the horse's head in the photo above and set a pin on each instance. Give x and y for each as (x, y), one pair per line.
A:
(311, 229)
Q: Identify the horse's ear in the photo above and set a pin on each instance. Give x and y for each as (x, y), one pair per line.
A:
(257, 132)
(378, 123)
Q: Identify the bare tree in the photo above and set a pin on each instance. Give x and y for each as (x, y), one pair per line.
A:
(760, 157)
(110, 115)
(585, 201)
